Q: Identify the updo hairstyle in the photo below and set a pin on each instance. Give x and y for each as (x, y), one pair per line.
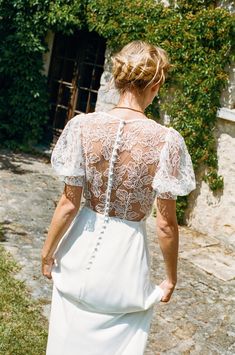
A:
(138, 65)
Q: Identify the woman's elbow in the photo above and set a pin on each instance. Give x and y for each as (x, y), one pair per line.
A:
(167, 228)
(67, 206)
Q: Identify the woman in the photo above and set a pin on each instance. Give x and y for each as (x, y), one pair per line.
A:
(103, 298)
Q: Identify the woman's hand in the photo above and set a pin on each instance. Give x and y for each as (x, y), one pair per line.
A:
(168, 288)
(47, 264)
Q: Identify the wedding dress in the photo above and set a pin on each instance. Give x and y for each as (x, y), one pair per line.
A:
(103, 297)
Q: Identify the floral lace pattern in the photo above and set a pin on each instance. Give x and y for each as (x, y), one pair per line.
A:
(151, 160)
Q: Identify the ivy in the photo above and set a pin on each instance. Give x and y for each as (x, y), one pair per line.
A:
(196, 34)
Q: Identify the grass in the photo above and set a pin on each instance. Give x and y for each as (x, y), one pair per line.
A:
(23, 329)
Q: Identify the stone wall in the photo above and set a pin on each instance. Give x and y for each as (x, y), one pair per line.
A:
(214, 213)
(227, 4)
(228, 94)
(107, 95)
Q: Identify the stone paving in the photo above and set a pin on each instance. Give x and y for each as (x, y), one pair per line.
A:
(200, 317)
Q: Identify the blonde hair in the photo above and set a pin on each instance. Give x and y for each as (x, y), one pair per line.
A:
(138, 65)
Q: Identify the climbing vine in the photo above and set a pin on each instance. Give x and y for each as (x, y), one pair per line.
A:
(196, 34)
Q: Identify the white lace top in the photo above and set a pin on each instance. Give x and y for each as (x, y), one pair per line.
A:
(123, 164)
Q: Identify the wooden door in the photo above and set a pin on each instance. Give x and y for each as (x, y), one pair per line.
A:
(74, 77)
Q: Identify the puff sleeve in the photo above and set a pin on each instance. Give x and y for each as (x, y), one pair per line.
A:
(67, 158)
(174, 175)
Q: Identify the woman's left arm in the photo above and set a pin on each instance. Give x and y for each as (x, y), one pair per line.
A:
(64, 214)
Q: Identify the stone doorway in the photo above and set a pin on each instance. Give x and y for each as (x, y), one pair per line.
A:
(74, 77)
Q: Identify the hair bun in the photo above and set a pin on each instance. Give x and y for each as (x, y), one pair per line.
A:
(138, 65)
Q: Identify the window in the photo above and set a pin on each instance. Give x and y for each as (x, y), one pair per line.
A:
(74, 78)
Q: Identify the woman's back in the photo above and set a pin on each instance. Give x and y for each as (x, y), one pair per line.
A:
(123, 163)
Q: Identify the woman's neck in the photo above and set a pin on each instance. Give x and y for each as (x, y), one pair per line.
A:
(133, 101)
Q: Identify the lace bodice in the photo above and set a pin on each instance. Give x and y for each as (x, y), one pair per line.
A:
(123, 164)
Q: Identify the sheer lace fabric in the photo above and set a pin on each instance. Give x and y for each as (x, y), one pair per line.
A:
(123, 164)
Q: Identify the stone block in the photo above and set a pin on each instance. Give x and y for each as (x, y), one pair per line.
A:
(213, 262)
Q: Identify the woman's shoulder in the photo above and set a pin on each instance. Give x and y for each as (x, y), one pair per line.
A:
(158, 128)
(165, 134)
(82, 117)
(168, 130)
(86, 118)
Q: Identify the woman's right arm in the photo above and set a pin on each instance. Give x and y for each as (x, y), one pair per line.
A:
(65, 212)
(168, 237)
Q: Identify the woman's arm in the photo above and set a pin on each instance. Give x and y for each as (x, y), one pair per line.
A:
(167, 232)
(64, 214)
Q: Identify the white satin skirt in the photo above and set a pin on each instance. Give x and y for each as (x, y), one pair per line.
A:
(102, 301)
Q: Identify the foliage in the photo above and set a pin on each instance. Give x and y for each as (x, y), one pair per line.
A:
(196, 34)
(22, 326)
(23, 93)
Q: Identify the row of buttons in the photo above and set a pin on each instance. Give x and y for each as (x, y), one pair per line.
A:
(108, 195)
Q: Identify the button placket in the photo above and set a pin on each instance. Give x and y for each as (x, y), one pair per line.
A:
(108, 194)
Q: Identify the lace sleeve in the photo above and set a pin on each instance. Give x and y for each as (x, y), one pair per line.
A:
(174, 176)
(67, 158)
